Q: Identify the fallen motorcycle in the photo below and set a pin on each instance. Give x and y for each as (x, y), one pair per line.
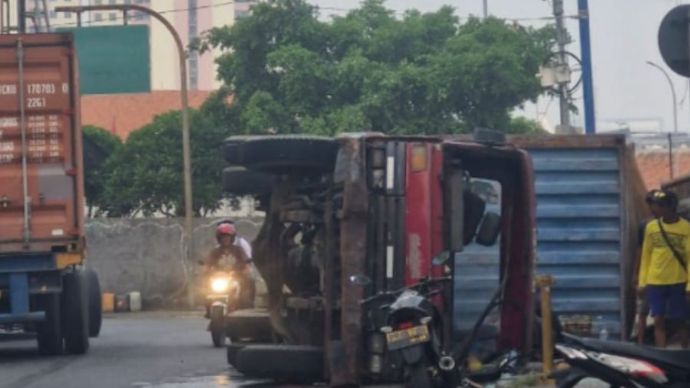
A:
(404, 336)
(621, 364)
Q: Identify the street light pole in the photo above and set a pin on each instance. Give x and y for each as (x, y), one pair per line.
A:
(673, 94)
(186, 153)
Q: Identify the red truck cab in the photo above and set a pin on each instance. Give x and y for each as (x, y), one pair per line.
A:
(384, 207)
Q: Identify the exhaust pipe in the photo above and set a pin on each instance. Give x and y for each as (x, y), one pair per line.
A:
(446, 363)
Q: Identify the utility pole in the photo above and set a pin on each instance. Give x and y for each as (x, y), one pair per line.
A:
(586, 54)
(562, 36)
(486, 9)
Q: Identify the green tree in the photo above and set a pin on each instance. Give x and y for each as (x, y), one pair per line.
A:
(370, 70)
(523, 126)
(146, 173)
(99, 145)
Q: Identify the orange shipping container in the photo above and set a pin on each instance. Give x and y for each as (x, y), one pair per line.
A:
(41, 181)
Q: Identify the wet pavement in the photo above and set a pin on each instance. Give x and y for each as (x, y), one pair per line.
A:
(159, 349)
(136, 350)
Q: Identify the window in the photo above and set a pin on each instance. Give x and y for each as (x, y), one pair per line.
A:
(112, 16)
(111, 1)
(67, 15)
(53, 14)
(98, 17)
(99, 2)
(241, 14)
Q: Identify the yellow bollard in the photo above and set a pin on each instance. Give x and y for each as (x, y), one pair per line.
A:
(544, 283)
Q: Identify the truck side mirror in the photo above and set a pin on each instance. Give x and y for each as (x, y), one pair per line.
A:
(474, 212)
(489, 229)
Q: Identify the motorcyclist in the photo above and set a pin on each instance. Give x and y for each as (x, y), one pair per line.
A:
(239, 240)
(230, 255)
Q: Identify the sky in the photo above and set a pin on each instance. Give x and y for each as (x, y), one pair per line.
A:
(624, 37)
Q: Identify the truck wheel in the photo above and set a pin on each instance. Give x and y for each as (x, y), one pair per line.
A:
(95, 303)
(286, 363)
(240, 181)
(217, 327)
(232, 350)
(49, 332)
(284, 153)
(75, 314)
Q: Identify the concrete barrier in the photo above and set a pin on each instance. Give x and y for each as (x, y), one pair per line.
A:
(147, 255)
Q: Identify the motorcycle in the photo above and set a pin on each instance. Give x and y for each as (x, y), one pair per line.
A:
(404, 336)
(222, 298)
(621, 364)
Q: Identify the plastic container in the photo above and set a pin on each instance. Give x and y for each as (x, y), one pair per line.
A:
(134, 298)
(108, 304)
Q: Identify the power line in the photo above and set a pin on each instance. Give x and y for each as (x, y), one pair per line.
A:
(121, 18)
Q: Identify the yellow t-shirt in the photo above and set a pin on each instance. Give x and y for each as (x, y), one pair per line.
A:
(658, 266)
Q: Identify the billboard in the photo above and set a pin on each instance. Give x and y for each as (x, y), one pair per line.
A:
(113, 59)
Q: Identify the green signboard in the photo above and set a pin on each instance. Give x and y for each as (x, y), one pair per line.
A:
(113, 59)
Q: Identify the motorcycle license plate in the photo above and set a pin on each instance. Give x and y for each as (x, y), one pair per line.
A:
(407, 337)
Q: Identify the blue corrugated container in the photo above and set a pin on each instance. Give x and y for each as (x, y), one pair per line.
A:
(589, 203)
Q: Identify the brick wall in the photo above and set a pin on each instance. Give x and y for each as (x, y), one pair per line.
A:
(654, 166)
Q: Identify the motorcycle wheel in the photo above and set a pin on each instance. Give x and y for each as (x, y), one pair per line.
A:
(217, 328)
(418, 377)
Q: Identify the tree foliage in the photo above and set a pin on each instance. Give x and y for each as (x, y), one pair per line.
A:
(370, 70)
(146, 173)
(98, 145)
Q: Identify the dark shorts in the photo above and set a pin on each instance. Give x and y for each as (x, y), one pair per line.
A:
(668, 301)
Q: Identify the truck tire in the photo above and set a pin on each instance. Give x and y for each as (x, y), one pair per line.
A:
(285, 363)
(232, 350)
(284, 153)
(240, 181)
(231, 148)
(95, 303)
(49, 332)
(75, 312)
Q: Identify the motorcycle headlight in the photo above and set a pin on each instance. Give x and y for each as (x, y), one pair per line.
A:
(220, 285)
(631, 366)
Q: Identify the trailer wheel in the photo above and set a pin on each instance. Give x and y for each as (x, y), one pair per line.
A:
(75, 314)
(49, 332)
(285, 363)
(95, 303)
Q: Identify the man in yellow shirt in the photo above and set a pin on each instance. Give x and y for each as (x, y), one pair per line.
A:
(664, 265)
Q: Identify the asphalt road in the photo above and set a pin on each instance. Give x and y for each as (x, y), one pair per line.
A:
(161, 349)
(141, 350)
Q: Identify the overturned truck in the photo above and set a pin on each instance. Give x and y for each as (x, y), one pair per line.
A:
(385, 208)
